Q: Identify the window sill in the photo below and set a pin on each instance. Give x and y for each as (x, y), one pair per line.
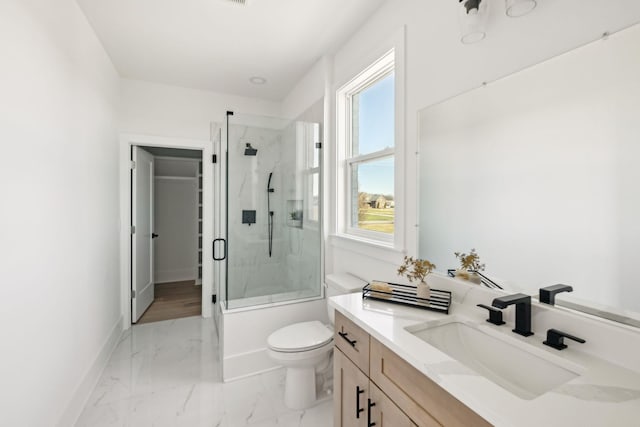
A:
(367, 247)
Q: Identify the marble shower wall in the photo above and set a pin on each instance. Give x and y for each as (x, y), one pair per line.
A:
(294, 265)
(251, 271)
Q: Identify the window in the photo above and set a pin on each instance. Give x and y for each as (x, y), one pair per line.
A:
(366, 144)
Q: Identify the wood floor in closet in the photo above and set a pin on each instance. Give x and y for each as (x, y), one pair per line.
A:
(173, 301)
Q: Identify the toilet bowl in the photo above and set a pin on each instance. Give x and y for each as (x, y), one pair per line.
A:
(300, 348)
(304, 348)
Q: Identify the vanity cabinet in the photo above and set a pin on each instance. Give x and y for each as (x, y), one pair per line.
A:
(373, 386)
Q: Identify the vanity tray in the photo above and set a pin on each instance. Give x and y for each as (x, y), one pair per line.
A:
(439, 301)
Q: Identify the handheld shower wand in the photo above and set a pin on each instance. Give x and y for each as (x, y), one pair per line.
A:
(269, 191)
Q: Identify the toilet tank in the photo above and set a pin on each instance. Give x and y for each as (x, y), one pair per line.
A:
(339, 284)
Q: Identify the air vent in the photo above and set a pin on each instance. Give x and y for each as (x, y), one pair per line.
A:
(238, 2)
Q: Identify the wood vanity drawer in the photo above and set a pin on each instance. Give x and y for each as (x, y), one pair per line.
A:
(353, 341)
(420, 398)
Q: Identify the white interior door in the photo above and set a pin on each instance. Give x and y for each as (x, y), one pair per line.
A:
(142, 290)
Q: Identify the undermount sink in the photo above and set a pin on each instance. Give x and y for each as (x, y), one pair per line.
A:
(503, 360)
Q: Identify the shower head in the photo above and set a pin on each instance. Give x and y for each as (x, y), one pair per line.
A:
(250, 151)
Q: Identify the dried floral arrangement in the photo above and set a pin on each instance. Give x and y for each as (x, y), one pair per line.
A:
(470, 261)
(415, 269)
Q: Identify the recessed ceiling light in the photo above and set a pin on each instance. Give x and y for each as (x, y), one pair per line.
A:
(257, 80)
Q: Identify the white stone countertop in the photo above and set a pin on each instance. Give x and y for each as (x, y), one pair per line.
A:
(604, 394)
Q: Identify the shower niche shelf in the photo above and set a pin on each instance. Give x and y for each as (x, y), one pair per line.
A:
(294, 213)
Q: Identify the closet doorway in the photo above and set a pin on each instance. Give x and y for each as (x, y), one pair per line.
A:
(166, 244)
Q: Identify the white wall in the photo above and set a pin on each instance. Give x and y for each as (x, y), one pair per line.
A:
(175, 222)
(308, 90)
(438, 66)
(60, 311)
(161, 110)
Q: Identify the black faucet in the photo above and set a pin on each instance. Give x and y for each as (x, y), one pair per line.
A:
(548, 294)
(523, 311)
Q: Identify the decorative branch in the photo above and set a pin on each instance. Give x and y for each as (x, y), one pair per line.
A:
(415, 269)
(470, 261)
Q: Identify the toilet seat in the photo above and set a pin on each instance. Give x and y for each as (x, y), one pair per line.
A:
(300, 337)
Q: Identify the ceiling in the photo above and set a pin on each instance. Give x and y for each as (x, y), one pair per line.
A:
(219, 45)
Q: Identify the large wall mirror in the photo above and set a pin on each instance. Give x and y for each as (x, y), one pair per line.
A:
(540, 173)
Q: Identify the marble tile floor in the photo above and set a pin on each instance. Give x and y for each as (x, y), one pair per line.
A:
(167, 374)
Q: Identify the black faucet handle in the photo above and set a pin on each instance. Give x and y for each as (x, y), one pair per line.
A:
(547, 294)
(495, 314)
(555, 339)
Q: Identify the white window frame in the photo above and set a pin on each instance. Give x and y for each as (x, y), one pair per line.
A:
(390, 61)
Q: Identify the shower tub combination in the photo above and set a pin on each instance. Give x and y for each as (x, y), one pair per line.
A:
(269, 218)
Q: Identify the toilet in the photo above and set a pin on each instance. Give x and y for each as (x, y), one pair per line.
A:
(306, 347)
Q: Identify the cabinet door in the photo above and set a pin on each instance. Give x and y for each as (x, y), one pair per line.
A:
(352, 341)
(383, 412)
(350, 393)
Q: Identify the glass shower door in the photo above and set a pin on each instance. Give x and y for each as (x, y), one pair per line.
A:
(273, 224)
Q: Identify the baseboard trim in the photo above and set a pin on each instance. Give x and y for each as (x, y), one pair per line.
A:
(238, 366)
(83, 391)
(177, 275)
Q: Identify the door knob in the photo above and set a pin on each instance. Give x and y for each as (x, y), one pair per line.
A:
(154, 235)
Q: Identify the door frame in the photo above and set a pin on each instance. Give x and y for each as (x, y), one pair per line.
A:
(126, 142)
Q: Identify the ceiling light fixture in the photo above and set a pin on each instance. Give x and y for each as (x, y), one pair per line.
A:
(473, 20)
(472, 15)
(257, 80)
(516, 8)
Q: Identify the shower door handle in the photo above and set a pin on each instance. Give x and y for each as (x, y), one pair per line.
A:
(224, 245)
